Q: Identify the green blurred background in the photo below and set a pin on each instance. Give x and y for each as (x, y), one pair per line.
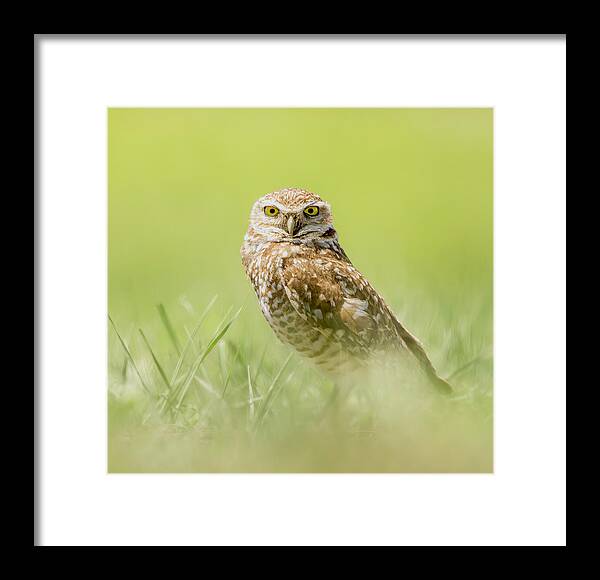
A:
(410, 189)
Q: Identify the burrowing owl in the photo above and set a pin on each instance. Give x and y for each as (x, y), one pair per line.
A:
(311, 294)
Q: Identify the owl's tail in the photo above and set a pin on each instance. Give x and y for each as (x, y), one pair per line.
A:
(416, 348)
(440, 384)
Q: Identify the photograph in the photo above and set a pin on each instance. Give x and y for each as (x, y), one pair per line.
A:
(300, 290)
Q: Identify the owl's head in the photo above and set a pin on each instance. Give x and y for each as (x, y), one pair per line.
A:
(294, 215)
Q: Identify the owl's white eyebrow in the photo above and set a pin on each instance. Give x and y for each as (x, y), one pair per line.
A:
(284, 208)
(272, 204)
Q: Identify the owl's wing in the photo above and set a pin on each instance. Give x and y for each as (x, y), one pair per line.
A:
(335, 298)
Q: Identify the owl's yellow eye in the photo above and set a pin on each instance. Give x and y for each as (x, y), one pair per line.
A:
(271, 210)
(311, 210)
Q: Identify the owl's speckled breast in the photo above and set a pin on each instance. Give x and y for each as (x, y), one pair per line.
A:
(265, 270)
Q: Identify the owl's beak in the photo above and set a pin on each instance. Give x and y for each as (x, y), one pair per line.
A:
(292, 225)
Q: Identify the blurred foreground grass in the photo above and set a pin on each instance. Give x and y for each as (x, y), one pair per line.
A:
(208, 402)
(411, 191)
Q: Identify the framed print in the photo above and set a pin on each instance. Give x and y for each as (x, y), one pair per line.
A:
(300, 290)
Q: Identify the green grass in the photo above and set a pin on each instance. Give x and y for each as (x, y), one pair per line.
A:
(232, 404)
(196, 384)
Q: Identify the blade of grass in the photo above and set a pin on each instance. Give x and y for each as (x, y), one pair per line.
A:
(191, 338)
(278, 390)
(211, 345)
(162, 311)
(260, 363)
(124, 369)
(464, 367)
(137, 371)
(222, 352)
(176, 385)
(207, 386)
(158, 365)
(270, 392)
(230, 372)
(182, 391)
(250, 398)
